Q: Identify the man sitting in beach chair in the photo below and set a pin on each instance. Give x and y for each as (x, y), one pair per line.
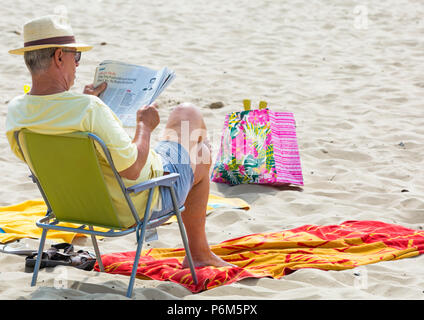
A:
(52, 56)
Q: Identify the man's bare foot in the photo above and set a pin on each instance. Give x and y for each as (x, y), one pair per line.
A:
(210, 261)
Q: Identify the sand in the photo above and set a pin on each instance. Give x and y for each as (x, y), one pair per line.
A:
(350, 71)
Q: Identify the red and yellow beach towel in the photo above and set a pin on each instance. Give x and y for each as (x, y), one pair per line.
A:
(332, 247)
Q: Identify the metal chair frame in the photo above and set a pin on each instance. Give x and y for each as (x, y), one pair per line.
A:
(49, 222)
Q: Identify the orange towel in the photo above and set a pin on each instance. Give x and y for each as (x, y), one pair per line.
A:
(333, 247)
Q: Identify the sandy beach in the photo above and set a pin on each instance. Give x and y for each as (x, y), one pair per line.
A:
(351, 72)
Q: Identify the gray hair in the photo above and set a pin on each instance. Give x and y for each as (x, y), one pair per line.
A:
(38, 60)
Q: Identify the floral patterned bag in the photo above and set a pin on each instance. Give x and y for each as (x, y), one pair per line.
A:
(260, 147)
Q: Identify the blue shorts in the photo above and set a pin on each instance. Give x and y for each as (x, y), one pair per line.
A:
(175, 159)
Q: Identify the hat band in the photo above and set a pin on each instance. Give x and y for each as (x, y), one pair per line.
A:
(54, 40)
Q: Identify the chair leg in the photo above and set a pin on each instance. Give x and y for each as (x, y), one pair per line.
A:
(140, 233)
(39, 256)
(140, 239)
(183, 235)
(97, 251)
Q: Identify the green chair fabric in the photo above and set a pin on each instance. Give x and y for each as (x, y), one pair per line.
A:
(70, 163)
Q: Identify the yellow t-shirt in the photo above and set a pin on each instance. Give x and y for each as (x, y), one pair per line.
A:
(68, 112)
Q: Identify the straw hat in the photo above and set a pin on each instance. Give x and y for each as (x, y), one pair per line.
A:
(48, 32)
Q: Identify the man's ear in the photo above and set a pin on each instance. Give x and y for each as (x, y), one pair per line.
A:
(58, 56)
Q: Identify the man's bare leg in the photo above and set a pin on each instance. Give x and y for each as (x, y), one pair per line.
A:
(194, 215)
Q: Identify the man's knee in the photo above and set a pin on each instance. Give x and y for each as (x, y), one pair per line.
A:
(186, 121)
(187, 111)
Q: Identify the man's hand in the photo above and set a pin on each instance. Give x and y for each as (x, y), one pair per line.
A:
(147, 120)
(148, 116)
(89, 89)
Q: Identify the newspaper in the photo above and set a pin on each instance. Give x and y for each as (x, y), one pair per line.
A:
(130, 87)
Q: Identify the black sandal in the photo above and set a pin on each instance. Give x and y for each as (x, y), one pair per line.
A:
(53, 257)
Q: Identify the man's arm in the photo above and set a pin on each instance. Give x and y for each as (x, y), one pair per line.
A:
(147, 121)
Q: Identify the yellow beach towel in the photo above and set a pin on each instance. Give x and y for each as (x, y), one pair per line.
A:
(18, 221)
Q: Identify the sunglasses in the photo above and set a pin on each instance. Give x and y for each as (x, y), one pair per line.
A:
(77, 56)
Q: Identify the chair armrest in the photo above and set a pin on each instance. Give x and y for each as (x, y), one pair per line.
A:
(165, 181)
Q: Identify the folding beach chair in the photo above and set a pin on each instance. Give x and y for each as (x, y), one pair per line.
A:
(66, 169)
